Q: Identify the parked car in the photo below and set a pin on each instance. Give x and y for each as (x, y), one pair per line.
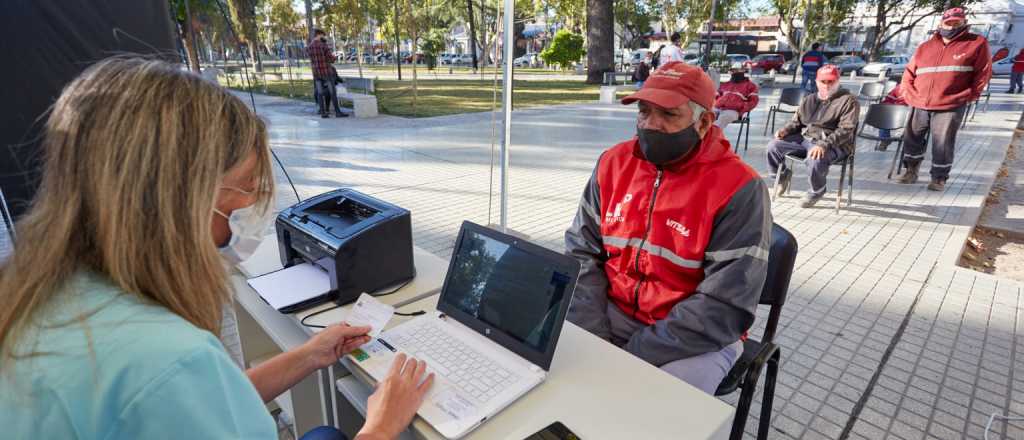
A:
(891, 65)
(637, 56)
(737, 60)
(849, 63)
(445, 58)
(767, 62)
(527, 60)
(1003, 66)
(693, 58)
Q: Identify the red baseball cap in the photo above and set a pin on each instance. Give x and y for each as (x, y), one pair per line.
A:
(673, 84)
(954, 14)
(828, 72)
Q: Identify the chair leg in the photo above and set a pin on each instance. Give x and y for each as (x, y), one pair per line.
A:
(746, 142)
(849, 196)
(767, 119)
(765, 423)
(895, 158)
(739, 421)
(842, 178)
(738, 136)
(778, 176)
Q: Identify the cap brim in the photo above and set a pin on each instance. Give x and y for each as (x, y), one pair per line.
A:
(659, 97)
(947, 20)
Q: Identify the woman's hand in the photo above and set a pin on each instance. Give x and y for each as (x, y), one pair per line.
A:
(331, 343)
(398, 397)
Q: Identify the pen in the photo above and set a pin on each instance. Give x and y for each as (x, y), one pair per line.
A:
(385, 343)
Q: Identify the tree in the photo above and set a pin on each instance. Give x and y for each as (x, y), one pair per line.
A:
(243, 16)
(634, 19)
(893, 17)
(433, 45)
(571, 13)
(283, 21)
(600, 40)
(822, 20)
(566, 48)
(185, 13)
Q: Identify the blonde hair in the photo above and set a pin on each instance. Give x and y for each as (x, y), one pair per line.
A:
(134, 152)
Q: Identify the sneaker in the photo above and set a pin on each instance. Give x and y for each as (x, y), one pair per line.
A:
(937, 185)
(909, 176)
(784, 179)
(810, 199)
(882, 146)
(324, 115)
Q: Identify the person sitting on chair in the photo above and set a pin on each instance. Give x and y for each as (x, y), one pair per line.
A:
(735, 97)
(672, 233)
(821, 131)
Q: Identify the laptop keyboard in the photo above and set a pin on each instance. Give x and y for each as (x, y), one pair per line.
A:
(458, 363)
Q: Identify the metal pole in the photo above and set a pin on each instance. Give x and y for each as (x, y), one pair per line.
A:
(506, 108)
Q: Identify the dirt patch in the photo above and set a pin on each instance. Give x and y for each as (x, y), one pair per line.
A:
(998, 250)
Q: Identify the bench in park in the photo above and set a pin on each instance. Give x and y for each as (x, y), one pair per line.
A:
(364, 105)
(611, 78)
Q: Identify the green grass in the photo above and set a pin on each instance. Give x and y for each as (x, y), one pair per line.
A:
(438, 97)
(407, 69)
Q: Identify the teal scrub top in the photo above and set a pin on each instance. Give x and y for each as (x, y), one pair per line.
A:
(106, 364)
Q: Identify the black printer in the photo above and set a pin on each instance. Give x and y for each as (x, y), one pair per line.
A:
(363, 243)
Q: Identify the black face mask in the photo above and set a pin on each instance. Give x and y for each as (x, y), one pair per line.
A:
(664, 148)
(323, 39)
(950, 34)
(737, 77)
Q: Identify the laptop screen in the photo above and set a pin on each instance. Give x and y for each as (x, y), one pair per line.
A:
(504, 284)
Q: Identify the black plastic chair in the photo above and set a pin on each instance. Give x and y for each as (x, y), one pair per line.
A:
(844, 162)
(792, 97)
(871, 92)
(889, 85)
(744, 121)
(764, 353)
(886, 117)
(987, 94)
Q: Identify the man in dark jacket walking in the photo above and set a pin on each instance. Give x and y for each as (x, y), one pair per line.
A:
(672, 234)
(321, 61)
(946, 73)
(822, 131)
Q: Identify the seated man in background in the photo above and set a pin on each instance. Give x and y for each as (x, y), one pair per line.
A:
(736, 97)
(822, 131)
(895, 97)
(672, 232)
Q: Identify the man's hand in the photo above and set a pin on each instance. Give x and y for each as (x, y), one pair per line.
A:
(391, 408)
(816, 153)
(326, 347)
(780, 134)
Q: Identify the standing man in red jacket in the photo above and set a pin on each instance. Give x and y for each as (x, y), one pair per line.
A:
(736, 97)
(1017, 74)
(672, 233)
(946, 73)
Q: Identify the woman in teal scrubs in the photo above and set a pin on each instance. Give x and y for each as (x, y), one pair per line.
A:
(154, 183)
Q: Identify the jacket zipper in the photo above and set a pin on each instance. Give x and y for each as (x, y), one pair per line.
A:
(931, 84)
(647, 231)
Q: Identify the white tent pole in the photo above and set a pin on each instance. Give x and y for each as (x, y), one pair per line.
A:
(506, 107)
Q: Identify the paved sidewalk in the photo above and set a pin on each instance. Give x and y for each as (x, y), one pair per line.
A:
(883, 337)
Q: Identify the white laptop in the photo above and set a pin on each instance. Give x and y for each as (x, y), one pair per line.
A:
(494, 332)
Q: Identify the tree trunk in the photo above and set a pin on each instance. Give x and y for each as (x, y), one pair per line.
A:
(309, 19)
(398, 44)
(190, 39)
(600, 40)
(472, 33)
(876, 42)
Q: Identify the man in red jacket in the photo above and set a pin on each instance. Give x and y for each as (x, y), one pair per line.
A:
(736, 97)
(1017, 73)
(946, 73)
(672, 233)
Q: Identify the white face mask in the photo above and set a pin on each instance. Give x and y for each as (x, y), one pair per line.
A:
(248, 226)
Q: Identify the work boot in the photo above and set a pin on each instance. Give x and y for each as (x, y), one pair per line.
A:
(883, 145)
(910, 175)
(785, 177)
(340, 114)
(325, 115)
(937, 184)
(810, 199)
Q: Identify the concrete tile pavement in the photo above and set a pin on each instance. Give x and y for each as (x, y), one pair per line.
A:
(882, 336)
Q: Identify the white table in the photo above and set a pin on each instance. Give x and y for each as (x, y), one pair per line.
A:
(596, 389)
(265, 332)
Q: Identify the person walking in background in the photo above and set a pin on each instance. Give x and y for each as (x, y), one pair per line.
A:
(1017, 74)
(656, 58)
(643, 70)
(672, 52)
(321, 59)
(947, 72)
(810, 63)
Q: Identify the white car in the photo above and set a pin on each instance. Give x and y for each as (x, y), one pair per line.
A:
(1003, 66)
(462, 59)
(892, 65)
(737, 61)
(527, 60)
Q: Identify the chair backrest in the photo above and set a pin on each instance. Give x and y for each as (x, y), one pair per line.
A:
(792, 96)
(887, 116)
(889, 85)
(781, 258)
(872, 90)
